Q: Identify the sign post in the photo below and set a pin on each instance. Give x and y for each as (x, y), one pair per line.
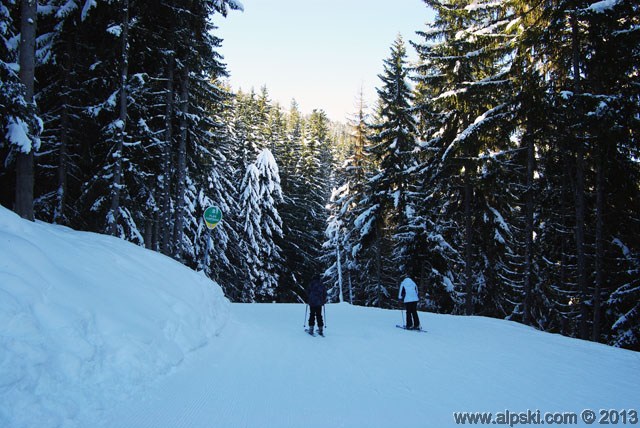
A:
(212, 217)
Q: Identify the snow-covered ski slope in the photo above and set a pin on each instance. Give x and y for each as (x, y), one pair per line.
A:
(96, 332)
(265, 371)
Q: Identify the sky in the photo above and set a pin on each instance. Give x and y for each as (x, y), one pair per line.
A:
(320, 52)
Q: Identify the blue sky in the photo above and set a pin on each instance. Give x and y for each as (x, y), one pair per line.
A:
(319, 52)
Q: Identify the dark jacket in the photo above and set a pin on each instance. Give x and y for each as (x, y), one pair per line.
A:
(316, 294)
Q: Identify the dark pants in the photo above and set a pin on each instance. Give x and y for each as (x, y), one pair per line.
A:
(316, 312)
(412, 314)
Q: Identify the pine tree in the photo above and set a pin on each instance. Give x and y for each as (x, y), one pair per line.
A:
(388, 195)
(262, 225)
(19, 121)
(23, 135)
(464, 107)
(341, 233)
(294, 242)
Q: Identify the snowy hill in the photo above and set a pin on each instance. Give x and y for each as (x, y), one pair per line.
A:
(87, 320)
(95, 332)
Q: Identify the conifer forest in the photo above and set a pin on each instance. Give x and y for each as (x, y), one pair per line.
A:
(501, 170)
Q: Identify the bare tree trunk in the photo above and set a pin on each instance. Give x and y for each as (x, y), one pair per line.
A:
(580, 218)
(59, 215)
(468, 194)
(600, 207)
(24, 161)
(122, 123)
(339, 267)
(182, 164)
(166, 160)
(148, 233)
(350, 288)
(378, 259)
(528, 250)
(580, 199)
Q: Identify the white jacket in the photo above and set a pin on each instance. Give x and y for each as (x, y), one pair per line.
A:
(410, 290)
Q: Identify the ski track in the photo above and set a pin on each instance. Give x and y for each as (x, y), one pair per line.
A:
(265, 371)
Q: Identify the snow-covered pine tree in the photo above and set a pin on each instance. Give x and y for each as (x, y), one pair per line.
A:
(395, 149)
(198, 64)
(579, 151)
(315, 166)
(23, 135)
(609, 102)
(526, 170)
(308, 165)
(341, 234)
(251, 239)
(57, 91)
(114, 153)
(288, 154)
(19, 123)
(248, 127)
(387, 205)
(260, 195)
(463, 101)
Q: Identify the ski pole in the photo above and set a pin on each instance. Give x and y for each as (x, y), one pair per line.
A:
(305, 316)
(402, 316)
(324, 307)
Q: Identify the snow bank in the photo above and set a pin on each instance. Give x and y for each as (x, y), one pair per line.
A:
(87, 320)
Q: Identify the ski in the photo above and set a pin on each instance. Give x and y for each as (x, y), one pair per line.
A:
(312, 333)
(420, 330)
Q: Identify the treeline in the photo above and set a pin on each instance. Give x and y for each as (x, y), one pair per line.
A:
(501, 171)
(116, 119)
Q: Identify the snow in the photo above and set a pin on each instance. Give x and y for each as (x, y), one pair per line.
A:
(264, 371)
(96, 332)
(483, 5)
(603, 6)
(18, 134)
(86, 320)
(86, 8)
(115, 30)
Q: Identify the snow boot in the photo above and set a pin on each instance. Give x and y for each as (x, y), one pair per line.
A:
(320, 331)
(310, 330)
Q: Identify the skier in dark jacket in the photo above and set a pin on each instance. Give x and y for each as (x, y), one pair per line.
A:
(316, 298)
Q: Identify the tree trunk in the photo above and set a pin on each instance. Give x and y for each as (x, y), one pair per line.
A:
(580, 216)
(24, 160)
(580, 198)
(59, 216)
(122, 123)
(182, 164)
(339, 267)
(468, 194)
(148, 233)
(600, 207)
(528, 250)
(166, 161)
(378, 260)
(350, 286)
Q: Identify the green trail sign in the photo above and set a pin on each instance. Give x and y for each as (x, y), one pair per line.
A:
(212, 217)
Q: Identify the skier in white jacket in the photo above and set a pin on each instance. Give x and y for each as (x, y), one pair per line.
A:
(408, 293)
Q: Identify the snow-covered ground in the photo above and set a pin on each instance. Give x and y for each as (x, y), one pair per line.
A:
(264, 371)
(95, 332)
(87, 320)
